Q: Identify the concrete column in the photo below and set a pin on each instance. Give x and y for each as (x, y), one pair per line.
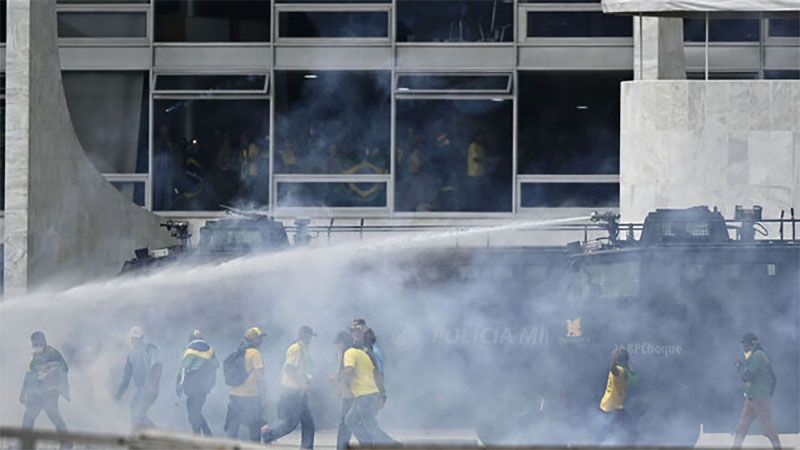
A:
(64, 223)
(658, 48)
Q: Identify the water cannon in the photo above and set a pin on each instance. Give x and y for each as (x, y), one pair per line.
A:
(750, 218)
(179, 230)
(609, 224)
(301, 235)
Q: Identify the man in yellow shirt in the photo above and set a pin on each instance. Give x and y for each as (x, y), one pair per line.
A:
(296, 381)
(359, 375)
(620, 376)
(247, 399)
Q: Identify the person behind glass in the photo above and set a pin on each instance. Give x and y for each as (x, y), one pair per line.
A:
(196, 378)
(44, 382)
(760, 381)
(296, 382)
(618, 421)
(359, 375)
(343, 434)
(143, 367)
(247, 399)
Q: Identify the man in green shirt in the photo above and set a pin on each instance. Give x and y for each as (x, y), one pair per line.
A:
(759, 380)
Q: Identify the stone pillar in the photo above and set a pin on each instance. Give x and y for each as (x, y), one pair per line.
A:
(658, 48)
(64, 223)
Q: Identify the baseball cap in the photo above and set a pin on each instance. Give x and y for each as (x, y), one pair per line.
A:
(253, 332)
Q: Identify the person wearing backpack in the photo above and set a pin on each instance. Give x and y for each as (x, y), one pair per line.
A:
(760, 380)
(196, 378)
(244, 372)
(620, 378)
(143, 367)
(296, 382)
(45, 381)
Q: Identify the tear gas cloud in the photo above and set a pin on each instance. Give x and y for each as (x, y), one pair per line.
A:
(469, 341)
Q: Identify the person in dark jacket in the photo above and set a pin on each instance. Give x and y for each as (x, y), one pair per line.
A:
(143, 367)
(759, 379)
(45, 381)
(196, 378)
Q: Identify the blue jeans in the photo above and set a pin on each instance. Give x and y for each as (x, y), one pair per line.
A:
(362, 419)
(293, 410)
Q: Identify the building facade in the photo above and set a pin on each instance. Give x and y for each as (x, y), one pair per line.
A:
(404, 109)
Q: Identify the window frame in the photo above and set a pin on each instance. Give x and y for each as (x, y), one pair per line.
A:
(265, 90)
(522, 26)
(279, 8)
(210, 95)
(143, 8)
(403, 93)
(133, 178)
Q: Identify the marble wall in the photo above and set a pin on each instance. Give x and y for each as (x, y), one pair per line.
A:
(716, 143)
(64, 223)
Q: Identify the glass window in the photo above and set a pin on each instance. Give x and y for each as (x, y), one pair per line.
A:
(211, 83)
(334, 24)
(454, 155)
(332, 122)
(721, 30)
(102, 24)
(210, 152)
(569, 122)
(212, 20)
(332, 195)
(133, 191)
(784, 27)
(578, 24)
(3, 21)
(475, 84)
(110, 114)
(782, 74)
(455, 21)
(565, 195)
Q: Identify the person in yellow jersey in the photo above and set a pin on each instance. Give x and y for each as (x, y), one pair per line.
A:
(296, 382)
(244, 372)
(359, 375)
(620, 378)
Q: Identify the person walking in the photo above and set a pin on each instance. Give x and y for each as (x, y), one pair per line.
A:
(359, 374)
(620, 378)
(343, 434)
(44, 382)
(144, 368)
(244, 372)
(760, 381)
(196, 378)
(293, 407)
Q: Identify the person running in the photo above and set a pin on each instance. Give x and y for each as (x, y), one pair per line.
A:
(760, 380)
(44, 382)
(359, 374)
(343, 434)
(620, 378)
(244, 372)
(196, 378)
(293, 407)
(143, 367)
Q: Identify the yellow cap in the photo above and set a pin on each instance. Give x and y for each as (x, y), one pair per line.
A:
(252, 333)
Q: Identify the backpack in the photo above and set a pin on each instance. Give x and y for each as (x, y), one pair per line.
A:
(233, 368)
